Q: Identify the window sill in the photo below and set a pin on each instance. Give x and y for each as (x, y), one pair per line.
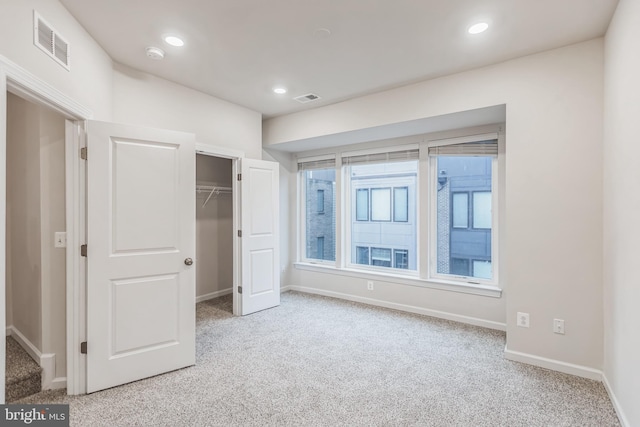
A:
(443, 285)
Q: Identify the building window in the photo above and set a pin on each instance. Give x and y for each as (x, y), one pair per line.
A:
(362, 255)
(320, 247)
(401, 204)
(362, 204)
(318, 181)
(459, 267)
(401, 258)
(482, 269)
(381, 257)
(482, 209)
(460, 210)
(380, 204)
(389, 190)
(320, 201)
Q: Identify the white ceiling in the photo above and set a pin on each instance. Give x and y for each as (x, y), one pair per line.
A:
(239, 50)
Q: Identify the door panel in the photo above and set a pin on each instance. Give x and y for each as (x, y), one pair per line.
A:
(140, 229)
(260, 272)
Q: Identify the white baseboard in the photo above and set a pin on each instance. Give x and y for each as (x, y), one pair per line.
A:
(8, 331)
(58, 383)
(284, 289)
(46, 361)
(25, 343)
(213, 295)
(403, 307)
(554, 365)
(616, 404)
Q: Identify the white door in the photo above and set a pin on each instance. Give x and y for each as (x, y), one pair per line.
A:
(259, 213)
(140, 234)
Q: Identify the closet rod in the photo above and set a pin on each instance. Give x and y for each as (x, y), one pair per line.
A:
(214, 189)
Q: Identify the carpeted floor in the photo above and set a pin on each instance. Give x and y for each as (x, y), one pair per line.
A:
(23, 376)
(318, 361)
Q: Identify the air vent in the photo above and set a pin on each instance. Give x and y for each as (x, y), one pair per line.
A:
(49, 41)
(310, 97)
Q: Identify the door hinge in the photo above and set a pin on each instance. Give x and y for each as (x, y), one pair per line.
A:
(83, 250)
(239, 289)
(83, 347)
(239, 177)
(83, 153)
(239, 233)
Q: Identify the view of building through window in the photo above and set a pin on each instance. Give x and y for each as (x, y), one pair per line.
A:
(320, 214)
(463, 212)
(383, 214)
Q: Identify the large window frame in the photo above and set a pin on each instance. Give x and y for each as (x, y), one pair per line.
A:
(466, 147)
(425, 274)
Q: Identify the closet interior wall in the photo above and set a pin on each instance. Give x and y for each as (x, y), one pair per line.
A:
(214, 228)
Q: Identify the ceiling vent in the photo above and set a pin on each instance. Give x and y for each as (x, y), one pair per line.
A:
(49, 41)
(310, 97)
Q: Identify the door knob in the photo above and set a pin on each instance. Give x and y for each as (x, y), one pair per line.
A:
(188, 261)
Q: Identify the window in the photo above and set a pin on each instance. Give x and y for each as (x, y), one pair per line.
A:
(318, 179)
(401, 204)
(482, 209)
(362, 204)
(381, 257)
(362, 255)
(482, 269)
(460, 210)
(380, 204)
(320, 248)
(320, 201)
(382, 210)
(401, 258)
(425, 211)
(462, 236)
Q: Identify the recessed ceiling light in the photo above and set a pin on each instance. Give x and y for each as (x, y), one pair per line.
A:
(174, 41)
(478, 28)
(280, 90)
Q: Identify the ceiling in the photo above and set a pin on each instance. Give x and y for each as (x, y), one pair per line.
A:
(239, 50)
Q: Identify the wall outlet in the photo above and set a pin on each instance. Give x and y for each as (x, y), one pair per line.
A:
(60, 239)
(370, 285)
(558, 326)
(523, 320)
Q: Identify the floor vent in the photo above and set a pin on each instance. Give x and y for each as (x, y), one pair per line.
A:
(49, 41)
(310, 97)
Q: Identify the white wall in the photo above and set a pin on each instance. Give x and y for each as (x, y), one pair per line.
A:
(147, 100)
(52, 219)
(622, 209)
(23, 218)
(90, 80)
(553, 192)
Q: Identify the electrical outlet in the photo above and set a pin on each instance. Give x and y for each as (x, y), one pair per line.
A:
(370, 285)
(60, 239)
(523, 320)
(558, 326)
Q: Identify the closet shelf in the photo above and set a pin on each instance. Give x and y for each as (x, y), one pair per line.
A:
(212, 189)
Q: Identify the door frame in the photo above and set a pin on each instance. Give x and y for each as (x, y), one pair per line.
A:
(19, 81)
(235, 156)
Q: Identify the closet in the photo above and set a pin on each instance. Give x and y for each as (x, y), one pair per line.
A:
(214, 227)
(35, 275)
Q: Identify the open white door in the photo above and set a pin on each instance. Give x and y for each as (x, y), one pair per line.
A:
(141, 236)
(260, 260)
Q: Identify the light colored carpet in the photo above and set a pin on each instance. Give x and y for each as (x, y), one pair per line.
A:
(318, 361)
(23, 376)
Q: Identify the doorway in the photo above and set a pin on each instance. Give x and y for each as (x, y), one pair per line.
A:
(35, 275)
(214, 229)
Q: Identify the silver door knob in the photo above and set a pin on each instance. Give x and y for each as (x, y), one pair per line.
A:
(188, 261)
